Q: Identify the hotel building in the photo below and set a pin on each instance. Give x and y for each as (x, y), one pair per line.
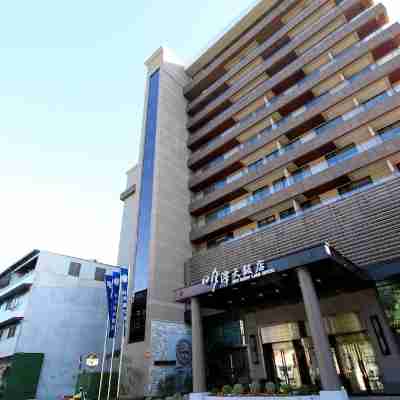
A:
(262, 221)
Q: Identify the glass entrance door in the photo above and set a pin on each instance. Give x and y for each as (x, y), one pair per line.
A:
(356, 361)
(287, 368)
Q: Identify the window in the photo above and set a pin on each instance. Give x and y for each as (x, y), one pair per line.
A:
(287, 213)
(74, 269)
(341, 154)
(355, 185)
(311, 203)
(253, 167)
(1, 333)
(261, 193)
(99, 274)
(217, 241)
(279, 184)
(12, 304)
(138, 317)
(11, 331)
(266, 221)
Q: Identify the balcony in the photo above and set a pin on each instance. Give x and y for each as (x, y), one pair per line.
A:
(201, 84)
(366, 153)
(337, 62)
(298, 150)
(203, 134)
(268, 44)
(17, 285)
(383, 67)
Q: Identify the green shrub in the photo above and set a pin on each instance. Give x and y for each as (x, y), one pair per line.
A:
(227, 390)
(255, 387)
(285, 389)
(270, 387)
(238, 389)
(214, 391)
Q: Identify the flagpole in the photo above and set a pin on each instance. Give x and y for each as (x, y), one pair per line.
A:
(113, 345)
(123, 338)
(104, 355)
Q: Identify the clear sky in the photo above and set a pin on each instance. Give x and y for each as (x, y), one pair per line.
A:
(71, 99)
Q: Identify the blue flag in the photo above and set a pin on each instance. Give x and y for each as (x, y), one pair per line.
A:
(124, 296)
(109, 286)
(115, 299)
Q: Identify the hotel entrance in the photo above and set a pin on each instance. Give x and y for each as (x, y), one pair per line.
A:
(290, 358)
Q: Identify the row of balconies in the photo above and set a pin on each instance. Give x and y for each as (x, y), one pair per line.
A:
(330, 159)
(361, 124)
(342, 61)
(200, 84)
(332, 104)
(285, 52)
(238, 76)
(297, 36)
(334, 166)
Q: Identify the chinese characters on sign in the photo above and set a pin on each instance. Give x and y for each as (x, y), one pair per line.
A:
(218, 280)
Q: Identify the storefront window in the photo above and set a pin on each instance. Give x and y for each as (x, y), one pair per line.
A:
(389, 294)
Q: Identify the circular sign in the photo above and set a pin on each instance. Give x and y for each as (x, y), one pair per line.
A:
(92, 361)
(184, 352)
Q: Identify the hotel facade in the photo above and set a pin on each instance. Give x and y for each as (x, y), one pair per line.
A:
(262, 222)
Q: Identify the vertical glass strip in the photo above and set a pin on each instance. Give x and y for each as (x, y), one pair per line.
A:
(146, 188)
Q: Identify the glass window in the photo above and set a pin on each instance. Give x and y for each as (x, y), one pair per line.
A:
(146, 186)
(389, 294)
(74, 269)
(287, 213)
(138, 317)
(261, 193)
(99, 274)
(266, 221)
(221, 239)
(355, 185)
(11, 331)
(253, 167)
(311, 203)
(279, 184)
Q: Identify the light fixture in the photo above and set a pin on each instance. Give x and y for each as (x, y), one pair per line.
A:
(277, 291)
(260, 295)
(229, 301)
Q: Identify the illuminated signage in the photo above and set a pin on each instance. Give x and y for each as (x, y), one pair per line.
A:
(221, 279)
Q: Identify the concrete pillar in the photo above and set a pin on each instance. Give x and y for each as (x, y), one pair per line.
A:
(198, 359)
(329, 377)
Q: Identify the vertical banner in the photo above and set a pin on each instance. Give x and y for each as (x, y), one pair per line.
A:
(115, 299)
(124, 297)
(108, 279)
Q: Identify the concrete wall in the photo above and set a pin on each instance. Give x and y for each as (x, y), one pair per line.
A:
(64, 319)
(170, 224)
(127, 241)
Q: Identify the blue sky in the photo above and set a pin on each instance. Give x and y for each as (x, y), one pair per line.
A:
(71, 99)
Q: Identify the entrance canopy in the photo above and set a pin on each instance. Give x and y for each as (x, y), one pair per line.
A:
(271, 283)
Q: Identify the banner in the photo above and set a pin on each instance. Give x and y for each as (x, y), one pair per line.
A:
(124, 296)
(108, 280)
(115, 298)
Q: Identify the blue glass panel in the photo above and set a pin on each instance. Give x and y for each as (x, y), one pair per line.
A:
(146, 187)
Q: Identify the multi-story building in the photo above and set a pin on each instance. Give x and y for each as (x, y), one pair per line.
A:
(267, 197)
(52, 316)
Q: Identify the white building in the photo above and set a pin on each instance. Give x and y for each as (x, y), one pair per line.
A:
(52, 312)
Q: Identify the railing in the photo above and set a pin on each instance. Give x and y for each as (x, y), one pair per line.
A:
(305, 172)
(268, 103)
(313, 74)
(16, 281)
(310, 135)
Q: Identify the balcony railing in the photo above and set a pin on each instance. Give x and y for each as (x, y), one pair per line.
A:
(331, 124)
(313, 74)
(299, 176)
(15, 282)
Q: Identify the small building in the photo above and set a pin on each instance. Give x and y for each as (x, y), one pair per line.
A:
(52, 315)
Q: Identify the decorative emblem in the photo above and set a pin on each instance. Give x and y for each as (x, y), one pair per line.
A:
(184, 352)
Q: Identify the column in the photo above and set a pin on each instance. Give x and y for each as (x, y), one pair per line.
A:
(198, 359)
(329, 376)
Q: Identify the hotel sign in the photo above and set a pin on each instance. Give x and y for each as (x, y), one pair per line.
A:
(221, 279)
